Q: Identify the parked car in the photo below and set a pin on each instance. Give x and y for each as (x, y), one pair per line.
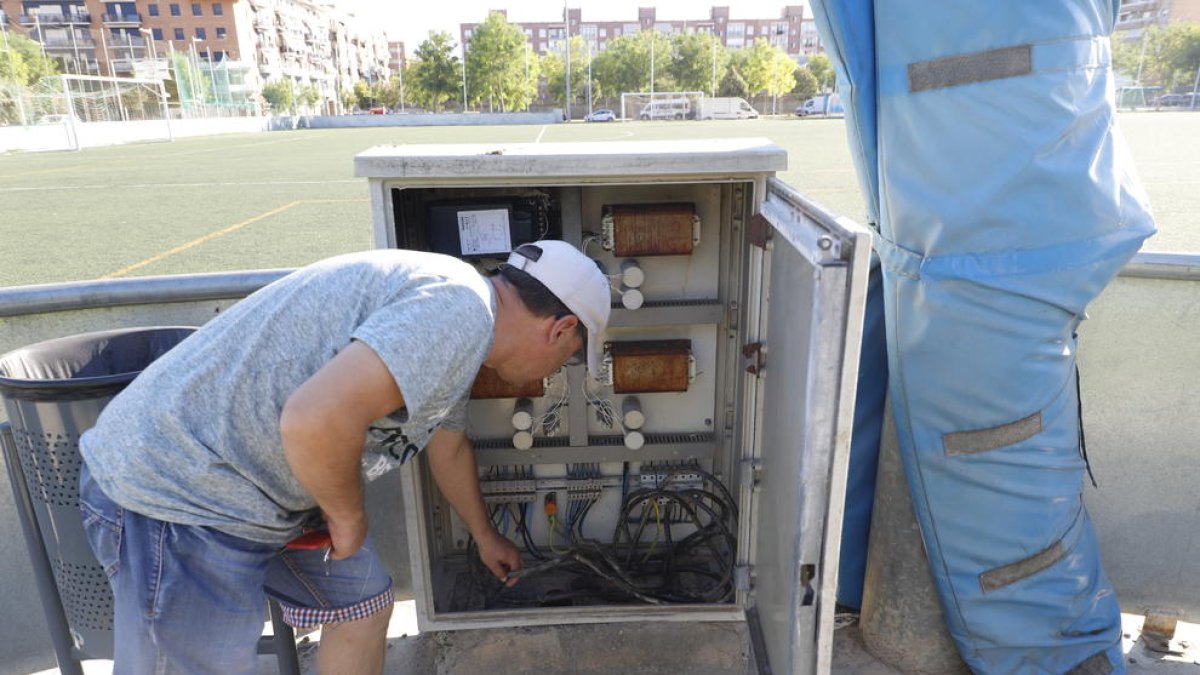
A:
(1173, 100)
(378, 111)
(601, 115)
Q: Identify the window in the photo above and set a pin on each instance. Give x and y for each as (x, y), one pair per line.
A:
(157, 33)
(179, 34)
(201, 34)
(220, 32)
(196, 9)
(174, 10)
(218, 9)
(153, 9)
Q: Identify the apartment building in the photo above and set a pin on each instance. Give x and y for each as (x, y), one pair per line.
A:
(237, 44)
(1135, 16)
(790, 31)
(396, 58)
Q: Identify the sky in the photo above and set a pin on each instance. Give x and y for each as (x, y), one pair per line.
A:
(412, 20)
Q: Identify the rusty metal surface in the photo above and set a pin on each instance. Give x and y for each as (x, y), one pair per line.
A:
(489, 385)
(650, 366)
(653, 229)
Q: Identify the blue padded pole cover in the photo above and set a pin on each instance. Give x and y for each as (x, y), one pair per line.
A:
(1006, 203)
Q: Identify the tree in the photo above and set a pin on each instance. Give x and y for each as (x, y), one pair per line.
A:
(388, 92)
(364, 95)
(625, 65)
(822, 69)
(309, 96)
(806, 84)
(555, 70)
(279, 96)
(349, 99)
(12, 65)
(767, 68)
(22, 60)
(496, 64)
(436, 75)
(1178, 54)
(699, 60)
(733, 84)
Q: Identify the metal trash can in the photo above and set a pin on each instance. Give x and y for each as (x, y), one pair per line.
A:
(53, 391)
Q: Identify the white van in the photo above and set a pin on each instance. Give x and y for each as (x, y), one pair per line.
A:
(725, 108)
(667, 109)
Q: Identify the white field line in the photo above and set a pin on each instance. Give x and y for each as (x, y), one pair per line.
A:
(51, 188)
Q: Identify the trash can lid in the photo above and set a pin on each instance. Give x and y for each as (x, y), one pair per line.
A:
(87, 365)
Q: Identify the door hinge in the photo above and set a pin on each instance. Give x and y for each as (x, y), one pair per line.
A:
(758, 352)
(758, 231)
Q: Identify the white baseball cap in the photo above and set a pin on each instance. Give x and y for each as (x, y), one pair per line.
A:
(576, 280)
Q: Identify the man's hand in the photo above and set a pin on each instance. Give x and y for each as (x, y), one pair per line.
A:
(499, 555)
(346, 535)
(452, 463)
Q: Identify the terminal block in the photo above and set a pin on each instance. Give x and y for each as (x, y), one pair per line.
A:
(508, 490)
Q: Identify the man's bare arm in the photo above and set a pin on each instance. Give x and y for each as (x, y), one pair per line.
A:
(323, 426)
(452, 462)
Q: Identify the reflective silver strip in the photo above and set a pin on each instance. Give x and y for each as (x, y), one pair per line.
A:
(1003, 576)
(995, 64)
(982, 440)
(1096, 664)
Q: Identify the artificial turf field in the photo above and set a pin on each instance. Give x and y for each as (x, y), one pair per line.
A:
(284, 199)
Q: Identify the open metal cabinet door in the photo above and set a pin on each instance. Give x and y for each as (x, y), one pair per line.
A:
(807, 286)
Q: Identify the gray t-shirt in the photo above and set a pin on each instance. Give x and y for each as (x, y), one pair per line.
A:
(195, 438)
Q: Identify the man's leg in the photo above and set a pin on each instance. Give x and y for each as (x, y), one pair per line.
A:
(355, 646)
(186, 599)
(352, 599)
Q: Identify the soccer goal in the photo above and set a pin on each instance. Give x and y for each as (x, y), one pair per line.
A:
(94, 110)
(660, 105)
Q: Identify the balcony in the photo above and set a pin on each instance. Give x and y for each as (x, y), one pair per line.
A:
(79, 18)
(67, 44)
(127, 19)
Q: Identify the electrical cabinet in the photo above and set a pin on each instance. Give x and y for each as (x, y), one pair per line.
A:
(702, 478)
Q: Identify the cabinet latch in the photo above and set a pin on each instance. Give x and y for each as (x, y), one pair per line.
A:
(758, 230)
(743, 577)
(756, 351)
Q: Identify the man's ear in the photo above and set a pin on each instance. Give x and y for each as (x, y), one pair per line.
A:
(563, 326)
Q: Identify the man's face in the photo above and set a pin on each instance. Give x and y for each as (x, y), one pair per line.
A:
(540, 358)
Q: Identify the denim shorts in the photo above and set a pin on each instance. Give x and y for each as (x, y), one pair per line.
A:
(192, 599)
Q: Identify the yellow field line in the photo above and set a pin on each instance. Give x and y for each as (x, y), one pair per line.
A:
(220, 233)
(196, 242)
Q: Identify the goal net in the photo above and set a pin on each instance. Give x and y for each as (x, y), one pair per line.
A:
(660, 105)
(81, 110)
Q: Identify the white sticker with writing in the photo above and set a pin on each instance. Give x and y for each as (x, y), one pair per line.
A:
(484, 231)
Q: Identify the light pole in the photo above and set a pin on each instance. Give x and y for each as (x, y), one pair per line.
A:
(567, 48)
(712, 87)
(212, 76)
(652, 41)
(464, 77)
(589, 87)
(153, 48)
(195, 74)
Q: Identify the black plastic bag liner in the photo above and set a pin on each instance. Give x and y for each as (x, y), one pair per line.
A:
(85, 365)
